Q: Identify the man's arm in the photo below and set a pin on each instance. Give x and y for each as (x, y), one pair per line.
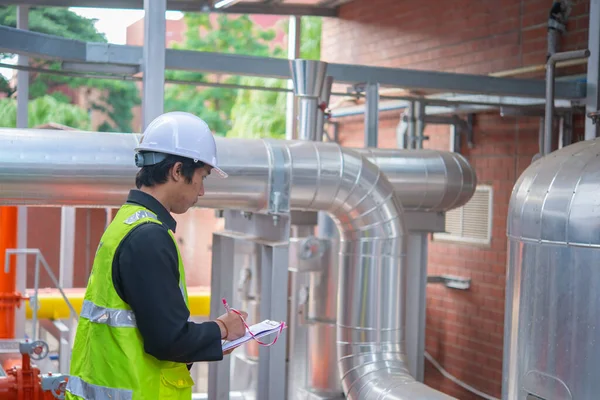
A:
(146, 275)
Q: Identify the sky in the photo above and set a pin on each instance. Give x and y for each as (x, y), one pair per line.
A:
(112, 22)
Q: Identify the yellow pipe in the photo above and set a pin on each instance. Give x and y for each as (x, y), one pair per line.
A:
(53, 306)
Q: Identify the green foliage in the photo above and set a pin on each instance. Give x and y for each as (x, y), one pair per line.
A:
(310, 38)
(44, 110)
(118, 98)
(262, 113)
(258, 114)
(55, 21)
(238, 113)
(233, 35)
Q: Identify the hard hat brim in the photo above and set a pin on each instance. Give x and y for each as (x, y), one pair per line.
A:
(219, 171)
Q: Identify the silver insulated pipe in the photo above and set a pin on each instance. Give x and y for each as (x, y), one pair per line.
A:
(42, 167)
(552, 314)
(308, 77)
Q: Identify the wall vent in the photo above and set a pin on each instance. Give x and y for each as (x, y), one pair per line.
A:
(471, 223)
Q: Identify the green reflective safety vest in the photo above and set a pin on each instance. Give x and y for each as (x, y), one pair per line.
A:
(109, 361)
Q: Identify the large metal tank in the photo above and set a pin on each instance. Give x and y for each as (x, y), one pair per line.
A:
(552, 320)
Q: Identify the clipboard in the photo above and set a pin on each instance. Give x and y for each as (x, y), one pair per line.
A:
(264, 328)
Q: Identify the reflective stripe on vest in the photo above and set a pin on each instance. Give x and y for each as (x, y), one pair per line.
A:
(139, 215)
(109, 316)
(88, 391)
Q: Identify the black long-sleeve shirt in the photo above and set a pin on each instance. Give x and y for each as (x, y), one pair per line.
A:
(146, 276)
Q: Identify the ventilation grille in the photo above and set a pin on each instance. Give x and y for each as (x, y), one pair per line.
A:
(471, 223)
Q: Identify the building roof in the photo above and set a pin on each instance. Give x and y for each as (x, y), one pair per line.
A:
(324, 8)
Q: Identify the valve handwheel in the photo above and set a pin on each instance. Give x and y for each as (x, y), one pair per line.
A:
(39, 350)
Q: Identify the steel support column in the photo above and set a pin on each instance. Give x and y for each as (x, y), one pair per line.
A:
(67, 264)
(416, 296)
(67, 246)
(419, 125)
(221, 286)
(272, 376)
(155, 31)
(372, 114)
(264, 369)
(294, 33)
(22, 122)
(593, 70)
(22, 76)
(419, 225)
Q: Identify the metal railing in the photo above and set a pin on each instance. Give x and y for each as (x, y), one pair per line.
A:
(59, 330)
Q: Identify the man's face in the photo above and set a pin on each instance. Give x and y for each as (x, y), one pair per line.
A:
(187, 193)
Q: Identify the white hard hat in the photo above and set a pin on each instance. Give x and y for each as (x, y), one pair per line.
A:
(181, 134)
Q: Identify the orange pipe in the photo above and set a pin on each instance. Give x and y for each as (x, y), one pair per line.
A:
(22, 382)
(9, 297)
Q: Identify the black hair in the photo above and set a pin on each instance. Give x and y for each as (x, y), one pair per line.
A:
(151, 175)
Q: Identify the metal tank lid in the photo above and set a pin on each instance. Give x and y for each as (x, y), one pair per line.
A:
(557, 198)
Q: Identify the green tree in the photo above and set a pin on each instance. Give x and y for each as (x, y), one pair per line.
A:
(262, 113)
(118, 98)
(229, 34)
(45, 109)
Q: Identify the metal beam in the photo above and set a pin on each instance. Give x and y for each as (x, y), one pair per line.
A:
(593, 70)
(126, 70)
(33, 44)
(433, 80)
(115, 54)
(40, 45)
(189, 6)
(453, 104)
(333, 3)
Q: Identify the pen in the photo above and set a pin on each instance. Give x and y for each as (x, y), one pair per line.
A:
(226, 305)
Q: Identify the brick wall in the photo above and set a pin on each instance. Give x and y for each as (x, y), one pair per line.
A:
(464, 328)
(43, 232)
(194, 233)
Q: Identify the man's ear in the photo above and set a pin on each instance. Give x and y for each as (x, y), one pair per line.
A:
(176, 174)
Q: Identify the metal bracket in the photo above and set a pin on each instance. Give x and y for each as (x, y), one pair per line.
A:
(56, 384)
(9, 346)
(469, 129)
(336, 131)
(462, 127)
(279, 196)
(452, 282)
(312, 247)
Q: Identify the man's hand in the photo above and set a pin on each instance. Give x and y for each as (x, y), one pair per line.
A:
(231, 325)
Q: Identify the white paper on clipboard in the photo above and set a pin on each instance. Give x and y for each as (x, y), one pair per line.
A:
(264, 328)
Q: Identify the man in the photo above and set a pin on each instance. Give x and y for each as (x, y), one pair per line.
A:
(134, 339)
